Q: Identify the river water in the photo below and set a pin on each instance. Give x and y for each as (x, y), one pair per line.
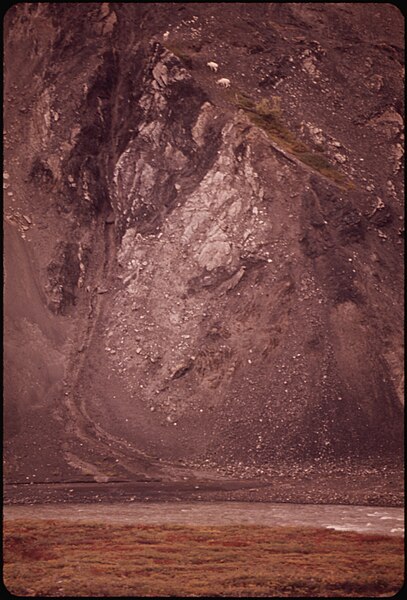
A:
(377, 520)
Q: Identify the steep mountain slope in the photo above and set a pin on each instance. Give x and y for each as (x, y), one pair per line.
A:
(199, 275)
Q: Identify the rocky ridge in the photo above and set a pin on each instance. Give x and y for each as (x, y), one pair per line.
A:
(209, 278)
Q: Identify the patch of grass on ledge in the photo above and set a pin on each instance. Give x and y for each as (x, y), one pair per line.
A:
(64, 558)
(267, 116)
(182, 52)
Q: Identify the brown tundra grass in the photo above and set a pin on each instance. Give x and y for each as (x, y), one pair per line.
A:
(62, 558)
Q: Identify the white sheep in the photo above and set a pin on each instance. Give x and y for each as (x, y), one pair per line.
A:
(166, 36)
(213, 66)
(224, 82)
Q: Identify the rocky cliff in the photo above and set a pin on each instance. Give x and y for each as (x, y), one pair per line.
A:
(199, 276)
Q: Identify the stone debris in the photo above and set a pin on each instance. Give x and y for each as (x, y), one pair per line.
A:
(340, 158)
(197, 249)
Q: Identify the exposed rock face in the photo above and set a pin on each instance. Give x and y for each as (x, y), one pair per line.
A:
(202, 277)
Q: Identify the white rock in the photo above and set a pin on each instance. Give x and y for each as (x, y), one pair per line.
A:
(340, 158)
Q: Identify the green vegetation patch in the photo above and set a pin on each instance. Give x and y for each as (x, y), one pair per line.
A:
(62, 558)
(267, 116)
(183, 52)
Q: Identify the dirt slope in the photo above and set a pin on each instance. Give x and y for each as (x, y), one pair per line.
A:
(197, 276)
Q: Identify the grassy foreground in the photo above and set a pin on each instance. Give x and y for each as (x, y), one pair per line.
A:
(62, 558)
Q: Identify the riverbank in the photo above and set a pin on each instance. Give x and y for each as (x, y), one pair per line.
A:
(363, 485)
